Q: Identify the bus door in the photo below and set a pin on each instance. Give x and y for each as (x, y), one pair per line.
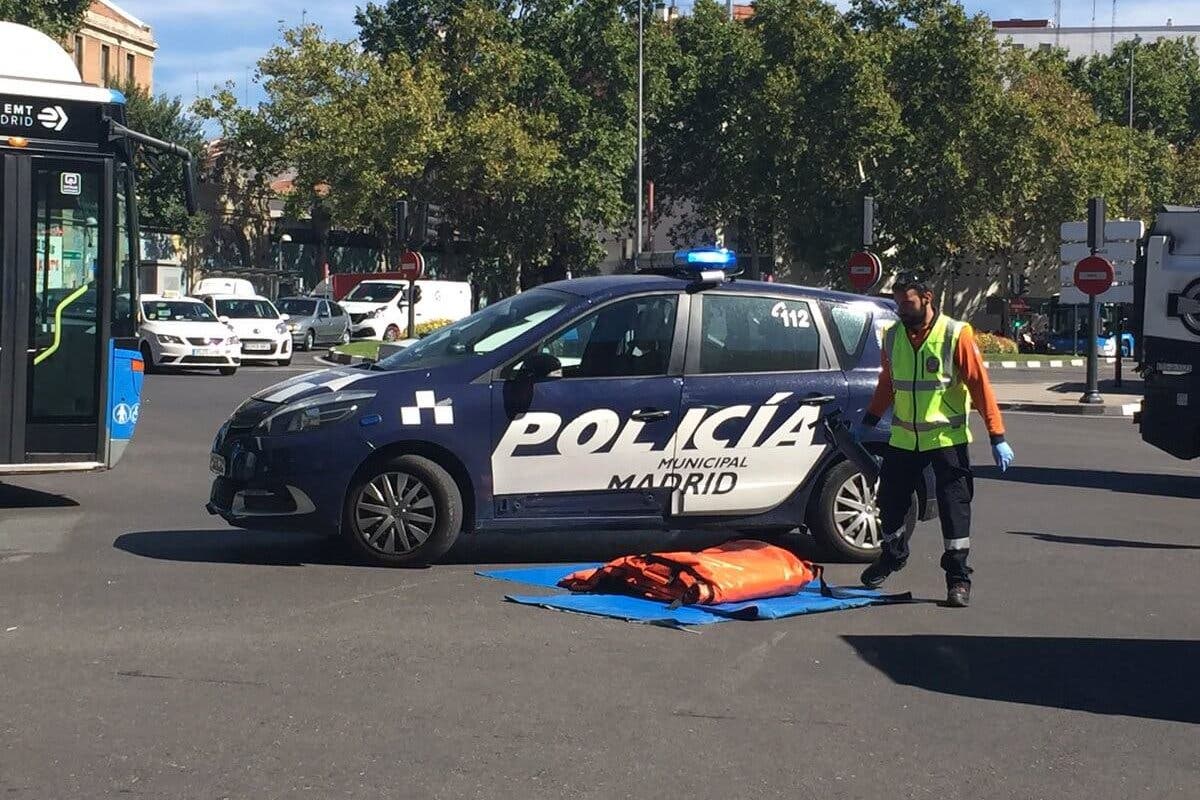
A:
(55, 271)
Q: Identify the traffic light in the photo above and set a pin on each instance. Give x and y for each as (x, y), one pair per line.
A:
(420, 226)
(400, 221)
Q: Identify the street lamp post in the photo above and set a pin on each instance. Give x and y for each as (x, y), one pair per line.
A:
(638, 243)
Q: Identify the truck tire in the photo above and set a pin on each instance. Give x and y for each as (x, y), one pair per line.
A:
(843, 519)
(404, 512)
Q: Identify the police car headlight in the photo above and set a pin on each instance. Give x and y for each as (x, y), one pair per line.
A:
(166, 338)
(314, 412)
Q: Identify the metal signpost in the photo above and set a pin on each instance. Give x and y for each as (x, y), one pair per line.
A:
(412, 267)
(1094, 276)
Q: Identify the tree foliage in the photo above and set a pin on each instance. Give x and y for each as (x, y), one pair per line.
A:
(56, 18)
(160, 181)
(519, 121)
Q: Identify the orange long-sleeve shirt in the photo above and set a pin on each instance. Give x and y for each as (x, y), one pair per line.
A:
(968, 363)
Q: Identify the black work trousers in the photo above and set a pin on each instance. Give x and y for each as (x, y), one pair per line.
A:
(902, 472)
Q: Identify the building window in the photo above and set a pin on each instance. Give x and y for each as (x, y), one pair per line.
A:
(1044, 47)
(105, 66)
(79, 54)
(130, 61)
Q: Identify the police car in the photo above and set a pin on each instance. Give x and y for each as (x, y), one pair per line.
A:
(675, 400)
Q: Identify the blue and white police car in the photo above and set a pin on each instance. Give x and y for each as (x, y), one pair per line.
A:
(679, 399)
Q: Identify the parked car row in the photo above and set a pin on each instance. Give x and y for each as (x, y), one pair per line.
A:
(226, 324)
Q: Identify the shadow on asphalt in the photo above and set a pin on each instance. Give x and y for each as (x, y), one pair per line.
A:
(1095, 541)
(1147, 678)
(540, 547)
(24, 497)
(1109, 385)
(232, 546)
(1125, 482)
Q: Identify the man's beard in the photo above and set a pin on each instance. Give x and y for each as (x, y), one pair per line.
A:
(914, 318)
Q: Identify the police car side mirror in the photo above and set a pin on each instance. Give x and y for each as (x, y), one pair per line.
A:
(538, 366)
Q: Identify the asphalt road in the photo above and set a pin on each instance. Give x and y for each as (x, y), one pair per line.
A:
(148, 650)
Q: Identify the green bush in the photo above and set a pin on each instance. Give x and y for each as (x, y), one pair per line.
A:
(429, 326)
(991, 344)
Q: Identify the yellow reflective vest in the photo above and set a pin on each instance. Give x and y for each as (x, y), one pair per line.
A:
(931, 404)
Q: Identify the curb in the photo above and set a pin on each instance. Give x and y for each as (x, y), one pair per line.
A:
(1077, 410)
(342, 358)
(1052, 363)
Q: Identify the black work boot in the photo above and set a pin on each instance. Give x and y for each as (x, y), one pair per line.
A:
(874, 575)
(958, 595)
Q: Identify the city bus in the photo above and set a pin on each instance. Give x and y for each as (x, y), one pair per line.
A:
(70, 370)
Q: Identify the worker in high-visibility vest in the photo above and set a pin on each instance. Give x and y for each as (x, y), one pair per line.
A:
(932, 371)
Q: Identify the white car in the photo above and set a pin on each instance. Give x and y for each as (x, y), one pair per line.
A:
(379, 309)
(262, 330)
(183, 332)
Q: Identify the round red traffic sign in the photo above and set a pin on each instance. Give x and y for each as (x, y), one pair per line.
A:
(412, 265)
(1094, 275)
(864, 269)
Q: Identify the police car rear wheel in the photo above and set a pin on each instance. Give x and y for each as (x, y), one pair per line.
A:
(845, 518)
(405, 512)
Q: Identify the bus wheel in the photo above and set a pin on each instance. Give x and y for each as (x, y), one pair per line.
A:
(147, 359)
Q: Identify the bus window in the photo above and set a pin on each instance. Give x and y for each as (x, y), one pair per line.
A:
(125, 262)
(64, 309)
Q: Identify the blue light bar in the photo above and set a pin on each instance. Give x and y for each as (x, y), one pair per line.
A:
(707, 258)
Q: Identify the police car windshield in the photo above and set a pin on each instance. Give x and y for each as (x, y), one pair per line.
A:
(374, 292)
(482, 332)
(176, 311)
(246, 309)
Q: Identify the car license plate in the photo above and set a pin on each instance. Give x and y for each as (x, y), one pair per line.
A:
(256, 346)
(205, 351)
(216, 464)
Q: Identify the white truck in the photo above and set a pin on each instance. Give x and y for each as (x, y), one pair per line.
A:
(1167, 324)
(378, 309)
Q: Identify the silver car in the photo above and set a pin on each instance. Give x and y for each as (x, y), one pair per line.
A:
(315, 321)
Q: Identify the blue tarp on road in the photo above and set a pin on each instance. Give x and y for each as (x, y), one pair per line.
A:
(635, 609)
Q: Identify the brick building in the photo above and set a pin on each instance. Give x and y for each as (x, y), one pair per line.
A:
(113, 45)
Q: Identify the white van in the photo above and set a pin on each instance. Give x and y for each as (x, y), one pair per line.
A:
(379, 309)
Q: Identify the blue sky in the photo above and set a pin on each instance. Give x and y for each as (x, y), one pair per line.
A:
(207, 42)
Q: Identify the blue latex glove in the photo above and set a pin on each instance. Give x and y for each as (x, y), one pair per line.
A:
(1003, 454)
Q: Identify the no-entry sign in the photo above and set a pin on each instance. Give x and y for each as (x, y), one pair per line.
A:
(412, 265)
(864, 269)
(1094, 275)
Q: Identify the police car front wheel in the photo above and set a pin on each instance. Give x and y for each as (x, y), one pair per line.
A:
(407, 511)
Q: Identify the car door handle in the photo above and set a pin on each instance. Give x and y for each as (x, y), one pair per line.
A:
(818, 400)
(650, 414)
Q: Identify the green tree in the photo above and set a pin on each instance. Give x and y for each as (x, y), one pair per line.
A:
(160, 196)
(351, 130)
(56, 18)
(1166, 83)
